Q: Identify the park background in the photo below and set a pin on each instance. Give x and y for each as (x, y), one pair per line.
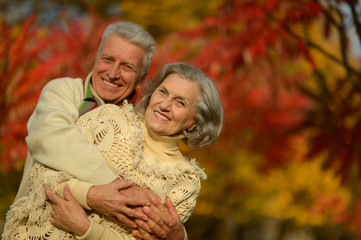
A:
(287, 164)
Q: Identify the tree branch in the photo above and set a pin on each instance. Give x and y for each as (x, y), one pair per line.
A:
(331, 57)
(323, 51)
(355, 19)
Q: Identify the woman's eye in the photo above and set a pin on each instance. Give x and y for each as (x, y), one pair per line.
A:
(182, 103)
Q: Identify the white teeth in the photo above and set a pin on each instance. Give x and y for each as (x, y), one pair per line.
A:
(110, 84)
(161, 116)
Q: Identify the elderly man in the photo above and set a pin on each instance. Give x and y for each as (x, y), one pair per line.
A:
(122, 62)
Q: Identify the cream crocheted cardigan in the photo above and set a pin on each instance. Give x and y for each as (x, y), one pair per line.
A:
(132, 152)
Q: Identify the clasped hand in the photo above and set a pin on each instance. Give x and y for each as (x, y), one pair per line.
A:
(163, 223)
(121, 201)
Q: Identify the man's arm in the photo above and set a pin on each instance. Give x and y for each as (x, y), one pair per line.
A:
(55, 141)
(117, 200)
(68, 215)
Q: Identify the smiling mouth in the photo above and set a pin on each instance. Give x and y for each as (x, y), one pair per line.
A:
(161, 116)
(111, 84)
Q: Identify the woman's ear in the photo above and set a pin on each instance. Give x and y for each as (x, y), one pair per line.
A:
(192, 127)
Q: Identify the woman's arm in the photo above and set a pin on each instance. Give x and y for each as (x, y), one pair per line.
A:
(116, 209)
(67, 214)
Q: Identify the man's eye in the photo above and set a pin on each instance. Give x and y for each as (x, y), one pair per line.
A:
(128, 68)
(107, 59)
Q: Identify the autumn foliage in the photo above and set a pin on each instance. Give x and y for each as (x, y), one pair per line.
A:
(29, 57)
(245, 50)
(290, 88)
(290, 85)
(273, 71)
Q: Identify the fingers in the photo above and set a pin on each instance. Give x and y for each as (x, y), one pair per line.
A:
(124, 219)
(152, 195)
(171, 208)
(144, 225)
(136, 196)
(52, 196)
(162, 211)
(169, 219)
(164, 221)
(52, 218)
(155, 223)
(122, 184)
(136, 234)
(147, 236)
(132, 213)
(67, 194)
(157, 202)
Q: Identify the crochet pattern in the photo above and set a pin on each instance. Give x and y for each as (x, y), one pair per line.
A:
(117, 134)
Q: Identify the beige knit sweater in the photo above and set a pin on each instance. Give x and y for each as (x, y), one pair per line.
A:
(133, 152)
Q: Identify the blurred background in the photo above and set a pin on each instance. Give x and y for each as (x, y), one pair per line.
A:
(287, 165)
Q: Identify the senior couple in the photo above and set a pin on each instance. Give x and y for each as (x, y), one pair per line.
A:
(99, 169)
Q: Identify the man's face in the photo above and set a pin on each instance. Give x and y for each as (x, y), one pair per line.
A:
(117, 68)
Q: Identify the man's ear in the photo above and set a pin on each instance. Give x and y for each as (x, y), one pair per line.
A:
(140, 80)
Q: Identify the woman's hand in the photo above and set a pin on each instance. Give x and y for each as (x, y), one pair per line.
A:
(67, 214)
(119, 200)
(163, 223)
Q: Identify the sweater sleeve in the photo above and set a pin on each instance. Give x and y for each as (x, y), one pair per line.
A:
(78, 189)
(99, 232)
(55, 141)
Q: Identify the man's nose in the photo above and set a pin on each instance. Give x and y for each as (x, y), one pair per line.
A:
(113, 72)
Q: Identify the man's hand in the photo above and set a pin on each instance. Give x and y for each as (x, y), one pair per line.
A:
(164, 222)
(118, 199)
(67, 214)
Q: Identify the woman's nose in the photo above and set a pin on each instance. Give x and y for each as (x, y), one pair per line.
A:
(165, 105)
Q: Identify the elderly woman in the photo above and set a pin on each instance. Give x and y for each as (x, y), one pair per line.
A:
(181, 103)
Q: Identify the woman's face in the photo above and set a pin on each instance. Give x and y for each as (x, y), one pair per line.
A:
(172, 106)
